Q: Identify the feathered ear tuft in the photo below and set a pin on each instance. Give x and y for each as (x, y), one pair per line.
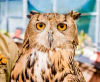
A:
(75, 15)
(32, 13)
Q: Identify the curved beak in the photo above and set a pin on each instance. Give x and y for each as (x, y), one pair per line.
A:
(50, 38)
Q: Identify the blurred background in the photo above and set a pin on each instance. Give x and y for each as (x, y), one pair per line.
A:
(13, 22)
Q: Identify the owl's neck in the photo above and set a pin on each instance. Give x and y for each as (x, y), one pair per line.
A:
(55, 55)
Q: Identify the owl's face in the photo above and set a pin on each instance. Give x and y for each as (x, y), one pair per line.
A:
(52, 30)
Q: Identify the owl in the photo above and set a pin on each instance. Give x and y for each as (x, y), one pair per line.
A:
(48, 49)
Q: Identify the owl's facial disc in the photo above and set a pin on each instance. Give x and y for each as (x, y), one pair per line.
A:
(50, 38)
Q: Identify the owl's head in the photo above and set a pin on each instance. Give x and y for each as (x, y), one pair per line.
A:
(52, 30)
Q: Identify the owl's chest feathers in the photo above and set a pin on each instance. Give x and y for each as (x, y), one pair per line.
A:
(49, 64)
(44, 67)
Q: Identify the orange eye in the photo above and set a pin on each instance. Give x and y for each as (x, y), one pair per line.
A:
(40, 26)
(62, 27)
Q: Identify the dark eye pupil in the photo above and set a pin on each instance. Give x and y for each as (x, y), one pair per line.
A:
(40, 25)
(61, 25)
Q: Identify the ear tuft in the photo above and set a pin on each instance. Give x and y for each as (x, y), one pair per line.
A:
(32, 13)
(75, 15)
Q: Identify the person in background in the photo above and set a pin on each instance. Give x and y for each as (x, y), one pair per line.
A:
(8, 56)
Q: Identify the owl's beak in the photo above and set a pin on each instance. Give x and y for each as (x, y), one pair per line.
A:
(50, 38)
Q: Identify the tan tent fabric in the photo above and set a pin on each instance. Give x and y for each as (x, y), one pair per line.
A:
(10, 51)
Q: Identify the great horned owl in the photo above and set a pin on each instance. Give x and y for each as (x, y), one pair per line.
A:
(48, 50)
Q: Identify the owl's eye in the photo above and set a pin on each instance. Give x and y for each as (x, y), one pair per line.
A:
(40, 26)
(62, 27)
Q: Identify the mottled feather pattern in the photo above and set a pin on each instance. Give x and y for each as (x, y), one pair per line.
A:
(48, 52)
(37, 68)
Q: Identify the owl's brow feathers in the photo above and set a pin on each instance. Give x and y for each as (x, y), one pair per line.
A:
(73, 14)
